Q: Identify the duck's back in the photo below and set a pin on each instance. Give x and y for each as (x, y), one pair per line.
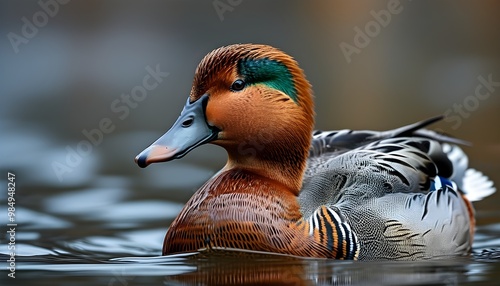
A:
(403, 191)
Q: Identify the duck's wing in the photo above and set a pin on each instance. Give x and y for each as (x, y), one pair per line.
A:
(442, 151)
(402, 192)
(412, 226)
(328, 144)
(338, 141)
(431, 216)
(393, 165)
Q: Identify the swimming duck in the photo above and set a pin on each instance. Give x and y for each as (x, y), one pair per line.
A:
(402, 194)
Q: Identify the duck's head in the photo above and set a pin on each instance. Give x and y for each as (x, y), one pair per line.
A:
(254, 101)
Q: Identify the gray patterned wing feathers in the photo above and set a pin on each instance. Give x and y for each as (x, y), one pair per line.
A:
(400, 190)
(339, 141)
(384, 190)
(411, 226)
(386, 166)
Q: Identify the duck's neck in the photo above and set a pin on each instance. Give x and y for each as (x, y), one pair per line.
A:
(282, 161)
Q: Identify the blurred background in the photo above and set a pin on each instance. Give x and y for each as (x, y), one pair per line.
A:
(68, 69)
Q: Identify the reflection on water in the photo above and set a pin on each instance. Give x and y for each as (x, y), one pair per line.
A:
(59, 268)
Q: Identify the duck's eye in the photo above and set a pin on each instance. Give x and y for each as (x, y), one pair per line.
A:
(238, 85)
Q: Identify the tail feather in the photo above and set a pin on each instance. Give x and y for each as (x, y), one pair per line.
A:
(476, 185)
(471, 182)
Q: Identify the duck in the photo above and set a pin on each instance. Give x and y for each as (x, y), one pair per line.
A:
(400, 194)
